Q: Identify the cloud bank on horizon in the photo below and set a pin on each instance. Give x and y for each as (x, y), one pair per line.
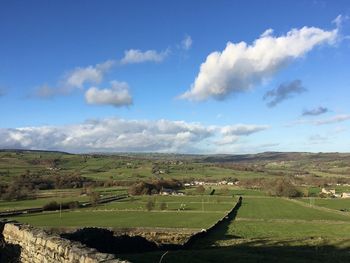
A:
(240, 66)
(120, 135)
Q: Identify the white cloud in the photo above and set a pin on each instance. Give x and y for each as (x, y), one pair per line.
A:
(75, 78)
(113, 135)
(240, 66)
(186, 43)
(242, 129)
(133, 56)
(91, 74)
(227, 140)
(118, 95)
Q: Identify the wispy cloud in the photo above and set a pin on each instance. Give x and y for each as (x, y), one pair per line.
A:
(317, 139)
(2, 92)
(118, 95)
(315, 111)
(186, 43)
(240, 66)
(242, 129)
(283, 92)
(113, 134)
(339, 20)
(47, 92)
(334, 119)
(133, 56)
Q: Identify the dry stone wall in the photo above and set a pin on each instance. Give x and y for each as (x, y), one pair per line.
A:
(37, 246)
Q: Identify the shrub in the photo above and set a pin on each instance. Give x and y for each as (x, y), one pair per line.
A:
(150, 204)
(200, 189)
(16, 192)
(54, 205)
(51, 206)
(284, 187)
(94, 198)
(163, 206)
(153, 187)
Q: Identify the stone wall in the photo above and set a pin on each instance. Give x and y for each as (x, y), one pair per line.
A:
(37, 246)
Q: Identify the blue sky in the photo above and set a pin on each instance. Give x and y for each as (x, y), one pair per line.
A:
(111, 76)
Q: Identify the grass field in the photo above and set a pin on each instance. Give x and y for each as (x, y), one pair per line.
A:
(277, 208)
(64, 195)
(284, 222)
(181, 212)
(331, 203)
(37, 203)
(222, 194)
(122, 219)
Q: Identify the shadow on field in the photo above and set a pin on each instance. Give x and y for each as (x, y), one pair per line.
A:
(216, 232)
(246, 253)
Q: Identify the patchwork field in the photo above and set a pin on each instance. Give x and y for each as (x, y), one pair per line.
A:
(266, 228)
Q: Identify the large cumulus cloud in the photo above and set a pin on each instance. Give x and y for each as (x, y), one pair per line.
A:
(240, 66)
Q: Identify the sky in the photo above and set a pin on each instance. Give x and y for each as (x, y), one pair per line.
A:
(205, 77)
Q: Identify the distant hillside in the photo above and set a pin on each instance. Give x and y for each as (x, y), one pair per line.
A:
(219, 158)
(278, 156)
(31, 151)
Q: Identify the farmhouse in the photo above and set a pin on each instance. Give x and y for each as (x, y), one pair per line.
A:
(167, 191)
(330, 192)
(345, 195)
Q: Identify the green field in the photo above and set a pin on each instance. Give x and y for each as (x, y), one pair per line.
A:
(331, 203)
(277, 208)
(281, 221)
(36, 203)
(59, 196)
(181, 212)
(122, 219)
